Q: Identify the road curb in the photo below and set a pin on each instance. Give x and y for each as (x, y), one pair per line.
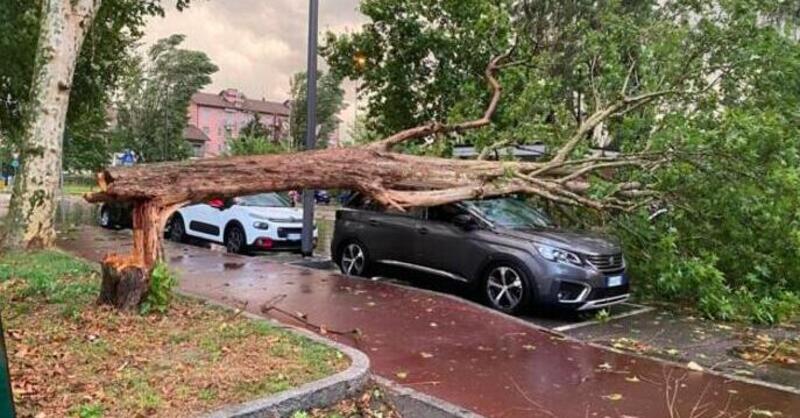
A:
(317, 394)
(411, 403)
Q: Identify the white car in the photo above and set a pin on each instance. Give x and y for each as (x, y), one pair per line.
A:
(257, 222)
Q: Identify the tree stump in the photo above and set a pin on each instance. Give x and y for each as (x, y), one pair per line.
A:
(124, 285)
(126, 279)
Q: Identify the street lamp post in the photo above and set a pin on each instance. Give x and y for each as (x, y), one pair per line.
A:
(307, 244)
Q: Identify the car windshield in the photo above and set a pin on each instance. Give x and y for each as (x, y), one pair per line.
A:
(511, 213)
(263, 199)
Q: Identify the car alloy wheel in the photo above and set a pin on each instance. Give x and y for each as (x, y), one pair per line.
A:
(105, 218)
(353, 260)
(505, 288)
(234, 240)
(176, 231)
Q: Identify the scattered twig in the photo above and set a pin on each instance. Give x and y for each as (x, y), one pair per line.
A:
(529, 400)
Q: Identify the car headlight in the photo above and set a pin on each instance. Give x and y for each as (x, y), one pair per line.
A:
(558, 255)
(260, 225)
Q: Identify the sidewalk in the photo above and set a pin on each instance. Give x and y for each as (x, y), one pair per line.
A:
(457, 351)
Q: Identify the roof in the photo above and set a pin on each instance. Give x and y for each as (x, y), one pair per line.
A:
(193, 133)
(260, 106)
(533, 151)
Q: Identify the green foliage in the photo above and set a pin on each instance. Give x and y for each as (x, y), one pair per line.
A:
(159, 295)
(255, 128)
(730, 239)
(255, 145)
(152, 109)
(90, 410)
(330, 102)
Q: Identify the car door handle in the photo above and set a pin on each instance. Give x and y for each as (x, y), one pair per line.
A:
(374, 222)
(422, 230)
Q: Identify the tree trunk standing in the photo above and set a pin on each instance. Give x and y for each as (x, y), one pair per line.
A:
(30, 219)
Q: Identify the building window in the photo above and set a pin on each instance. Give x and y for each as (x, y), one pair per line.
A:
(197, 149)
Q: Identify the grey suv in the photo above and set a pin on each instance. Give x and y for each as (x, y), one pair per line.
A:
(505, 247)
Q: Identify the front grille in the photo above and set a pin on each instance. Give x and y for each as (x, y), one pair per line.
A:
(283, 232)
(608, 264)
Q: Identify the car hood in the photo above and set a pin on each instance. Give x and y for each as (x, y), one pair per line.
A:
(579, 241)
(292, 214)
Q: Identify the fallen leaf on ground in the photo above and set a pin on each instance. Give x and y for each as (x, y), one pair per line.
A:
(613, 397)
(633, 379)
(426, 355)
(401, 375)
(604, 366)
(764, 413)
(694, 366)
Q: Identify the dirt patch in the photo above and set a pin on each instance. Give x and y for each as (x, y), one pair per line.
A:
(69, 357)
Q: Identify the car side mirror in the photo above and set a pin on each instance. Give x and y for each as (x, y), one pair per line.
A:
(465, 222)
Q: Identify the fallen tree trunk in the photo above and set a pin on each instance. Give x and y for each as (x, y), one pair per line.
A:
(392, 178)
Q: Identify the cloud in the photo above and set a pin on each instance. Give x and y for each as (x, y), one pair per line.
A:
(256, 44)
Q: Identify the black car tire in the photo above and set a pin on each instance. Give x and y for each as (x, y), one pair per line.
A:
(235, 239)
(104, 218)
(507, 287)
(177, 231)
(353, 259)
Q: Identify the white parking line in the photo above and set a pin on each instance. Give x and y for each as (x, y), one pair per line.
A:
(642, 309)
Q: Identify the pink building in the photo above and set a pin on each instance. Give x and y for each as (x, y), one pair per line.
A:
(213, 118)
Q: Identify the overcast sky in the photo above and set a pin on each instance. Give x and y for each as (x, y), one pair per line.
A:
(257, 44)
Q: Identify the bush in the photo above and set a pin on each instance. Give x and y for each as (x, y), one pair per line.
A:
(664, 268)
(159, 295)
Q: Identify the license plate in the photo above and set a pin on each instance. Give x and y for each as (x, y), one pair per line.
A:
(615, 281)
(293, 237)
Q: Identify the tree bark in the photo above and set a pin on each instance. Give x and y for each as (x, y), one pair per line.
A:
(126, 279)
(30, 220)
(124, 284)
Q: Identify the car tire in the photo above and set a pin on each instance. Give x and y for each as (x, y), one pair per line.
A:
(104, 218)
(177, 231)
(507, 287)
(235, 239)
(353, 259)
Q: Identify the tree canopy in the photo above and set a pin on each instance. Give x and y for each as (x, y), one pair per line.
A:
(330, 102)
(107, 55)
(152, 109)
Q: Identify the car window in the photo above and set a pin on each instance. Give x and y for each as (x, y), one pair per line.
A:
(445, 213)
(263, 200)
(511, 213)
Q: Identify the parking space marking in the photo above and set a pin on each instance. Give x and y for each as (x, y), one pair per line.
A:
(642, 309)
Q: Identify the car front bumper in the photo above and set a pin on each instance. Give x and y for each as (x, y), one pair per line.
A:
(579, 287)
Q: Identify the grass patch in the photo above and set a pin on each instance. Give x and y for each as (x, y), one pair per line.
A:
(72, 358)
(78, 189)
